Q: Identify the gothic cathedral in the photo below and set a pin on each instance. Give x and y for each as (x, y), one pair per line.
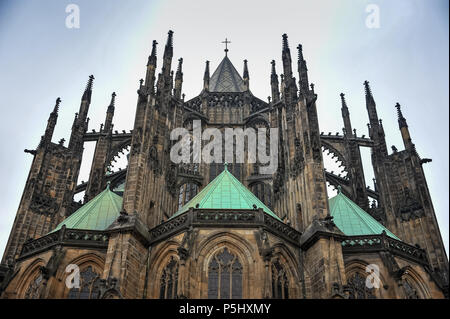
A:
(219, 230)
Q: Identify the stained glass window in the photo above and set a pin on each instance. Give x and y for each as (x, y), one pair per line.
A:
(225, 276)
(34, 288)
(89, 285)
(169, 281)
(410, 292)
(358, 288)
(280, 283)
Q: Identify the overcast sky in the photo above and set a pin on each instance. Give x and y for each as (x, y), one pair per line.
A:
(405, 60)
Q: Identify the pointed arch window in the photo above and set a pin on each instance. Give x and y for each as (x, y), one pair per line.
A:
(34, 288)
(280, 282)
(169, 280)
(225, 276)
(410, 292)
(358, 289)
(89, 285)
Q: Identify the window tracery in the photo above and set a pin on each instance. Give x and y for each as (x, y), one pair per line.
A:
(225, 276)
(280, 282)
(89, 287)
(33, 289)
(169, 280)
(358, 288)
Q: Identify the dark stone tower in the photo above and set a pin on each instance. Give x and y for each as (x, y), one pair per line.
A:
(97, 180)
(48, 195)
(404, 199)
(151, 178)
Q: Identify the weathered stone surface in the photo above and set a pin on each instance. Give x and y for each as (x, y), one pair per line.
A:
(146, 254)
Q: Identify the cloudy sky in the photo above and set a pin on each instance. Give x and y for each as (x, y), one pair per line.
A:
(405, 60)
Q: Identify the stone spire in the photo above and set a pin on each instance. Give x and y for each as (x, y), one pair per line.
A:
(151, 67)
(47, 138)
(167, 58)
(246, 76)
(404, 129)
(274, 83)
(401, 119)
(88, 91)
(289, 87)
(286, 57)
(179, 79)
(152, 57)
(346, 116)
(110, 114)
(81, 120)
(376, 130)
(302, 71)
(370, 105)
(206, 77)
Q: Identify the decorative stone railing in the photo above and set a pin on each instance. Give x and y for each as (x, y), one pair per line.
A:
(371, 243)
(226, 217)
(65, 237)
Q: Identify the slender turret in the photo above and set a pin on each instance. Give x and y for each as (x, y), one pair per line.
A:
(274, 83)
(179, 79)
(246, 76)
(47, 138)
(151, 67)
(206, 77)
(81, 120)
(403, 126)
(110, 114)
(346, 116)
(302, 72)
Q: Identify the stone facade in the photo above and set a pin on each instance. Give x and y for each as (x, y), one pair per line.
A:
(225, 253)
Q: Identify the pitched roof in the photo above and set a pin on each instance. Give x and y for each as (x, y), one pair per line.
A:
(225, 78)
(97, 214)
(352, 220)
(225, 192)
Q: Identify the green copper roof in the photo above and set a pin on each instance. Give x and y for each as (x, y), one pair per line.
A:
(97, 214)
(352, 220)
(225, 192)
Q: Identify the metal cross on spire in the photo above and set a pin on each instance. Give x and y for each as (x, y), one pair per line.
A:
(226, 45)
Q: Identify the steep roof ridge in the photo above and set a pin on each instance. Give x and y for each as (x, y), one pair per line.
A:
(218, 77)
(215, 182)
(86, 212)
(368, 220)
(107, 203)
(362, 216)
